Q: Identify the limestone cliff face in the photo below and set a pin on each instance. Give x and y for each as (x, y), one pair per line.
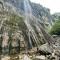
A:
(14, 26)
(37, 10)
(12, 22)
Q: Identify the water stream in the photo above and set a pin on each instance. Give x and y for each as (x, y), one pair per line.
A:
(28, 20)
(28, 14)
(28, 11)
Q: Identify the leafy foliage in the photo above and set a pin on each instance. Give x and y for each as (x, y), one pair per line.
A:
(55, 28)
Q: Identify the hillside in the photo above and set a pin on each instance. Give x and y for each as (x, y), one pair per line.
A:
(37, 10)
(13, 24)
(24, 31)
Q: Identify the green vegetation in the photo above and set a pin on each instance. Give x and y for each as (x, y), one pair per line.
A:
(14, 23)
(55, 30)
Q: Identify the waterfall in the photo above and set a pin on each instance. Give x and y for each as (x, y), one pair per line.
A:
(27, 8)
(28, 11)
(28, 20)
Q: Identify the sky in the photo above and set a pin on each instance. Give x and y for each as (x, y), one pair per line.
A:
(53, 5)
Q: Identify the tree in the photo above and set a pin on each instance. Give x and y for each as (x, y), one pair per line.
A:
(55, 30)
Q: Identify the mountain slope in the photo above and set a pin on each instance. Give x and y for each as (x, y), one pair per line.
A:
(37, 10)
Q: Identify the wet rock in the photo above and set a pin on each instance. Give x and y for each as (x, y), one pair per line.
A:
(45, 49)
(57, 52)
(53, 58)
(32, 51)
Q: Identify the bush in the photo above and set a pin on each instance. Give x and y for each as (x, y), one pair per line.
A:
(55, 30)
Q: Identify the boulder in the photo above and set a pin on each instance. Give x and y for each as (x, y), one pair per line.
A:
(45, 49)
(40, 57)
(57, 52)
(25, 57)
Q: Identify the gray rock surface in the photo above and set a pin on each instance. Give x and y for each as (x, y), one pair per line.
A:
(45, 49)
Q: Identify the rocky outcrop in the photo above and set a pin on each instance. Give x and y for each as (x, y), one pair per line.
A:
(15, 28)
(14, 24)
(45, 49)
(37, 10)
